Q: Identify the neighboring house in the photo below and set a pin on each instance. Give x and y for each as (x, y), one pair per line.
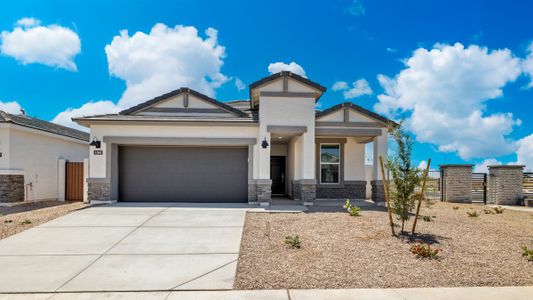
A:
(186, 146)
(31, 152)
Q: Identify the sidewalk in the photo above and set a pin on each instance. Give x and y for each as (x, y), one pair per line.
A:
(466, 293)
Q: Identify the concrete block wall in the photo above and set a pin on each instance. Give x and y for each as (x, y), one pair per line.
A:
(457, 183)
(505, 184)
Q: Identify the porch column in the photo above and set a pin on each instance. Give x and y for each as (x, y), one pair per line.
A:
(264, 183)
(380, 149)
(307, 184)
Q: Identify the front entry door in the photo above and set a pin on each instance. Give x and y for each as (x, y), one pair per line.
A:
(277, 174)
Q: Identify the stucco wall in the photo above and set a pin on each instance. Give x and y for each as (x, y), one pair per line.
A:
(354, 160)
(290, 112)
(37, 153)
(4, 147)
(98, 162)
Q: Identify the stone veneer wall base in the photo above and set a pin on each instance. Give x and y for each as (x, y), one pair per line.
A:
(378, 191)
(98, 190)
(347, 190)
(304, 190)
(11, 188)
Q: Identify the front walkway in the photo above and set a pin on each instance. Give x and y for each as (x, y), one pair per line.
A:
(127, 247)
(467, 293)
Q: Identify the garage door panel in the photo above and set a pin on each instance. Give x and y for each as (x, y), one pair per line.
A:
(185, 174)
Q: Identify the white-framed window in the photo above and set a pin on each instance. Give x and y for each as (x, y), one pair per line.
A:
(330, 163)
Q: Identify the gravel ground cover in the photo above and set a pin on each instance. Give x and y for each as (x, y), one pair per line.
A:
(339, 251)
(19, 217)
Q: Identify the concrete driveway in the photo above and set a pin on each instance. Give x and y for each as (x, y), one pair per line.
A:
(127, 247)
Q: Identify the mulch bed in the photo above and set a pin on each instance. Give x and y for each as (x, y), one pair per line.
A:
(339, 251)
(19, 217)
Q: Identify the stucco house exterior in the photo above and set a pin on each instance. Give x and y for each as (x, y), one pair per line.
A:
(186, 146)
(33, 153)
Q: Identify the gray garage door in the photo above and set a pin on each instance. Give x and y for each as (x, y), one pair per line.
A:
(183, 174)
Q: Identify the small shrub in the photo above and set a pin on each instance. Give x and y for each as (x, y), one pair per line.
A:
(427, 218)
(353, 210)
(293, 241)
(8, 221)
(472, 214)
(499, 210)
(26, 222)
(488, 211)
(528, 253)
(455, 207)
(423, 250)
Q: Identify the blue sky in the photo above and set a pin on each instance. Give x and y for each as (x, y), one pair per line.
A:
(333, 41)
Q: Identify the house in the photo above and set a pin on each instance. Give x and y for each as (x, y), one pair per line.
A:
(33, 153)
(186, 146)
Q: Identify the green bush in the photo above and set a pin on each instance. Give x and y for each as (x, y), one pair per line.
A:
(26, 222)
(472, 214)
(499, 210)
(353, 210)
(528, 253)
(293, 241)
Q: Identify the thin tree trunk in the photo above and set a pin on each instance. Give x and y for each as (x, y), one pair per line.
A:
(421, 196)
(386, 187)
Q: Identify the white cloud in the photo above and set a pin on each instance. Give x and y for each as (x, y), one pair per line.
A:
(442, 93)
(527, 64)
(28, 22)
(356, 8)
(359, 88)
(339, 86)
(88, 109)
(392, 50)
(281, 66)
(524, 152)
(10, 107)
(239, 84)
(423, 165)
(482, 167)
(51, 45)
(166, 59)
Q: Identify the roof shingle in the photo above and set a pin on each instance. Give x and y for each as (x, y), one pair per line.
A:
(27, 121)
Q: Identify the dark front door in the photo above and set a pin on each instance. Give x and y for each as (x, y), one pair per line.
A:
(277, 174)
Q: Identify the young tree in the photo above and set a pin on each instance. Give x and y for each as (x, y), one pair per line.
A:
(405, 176)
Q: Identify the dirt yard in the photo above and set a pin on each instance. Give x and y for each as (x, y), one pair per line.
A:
(339, 251)
(14, 219)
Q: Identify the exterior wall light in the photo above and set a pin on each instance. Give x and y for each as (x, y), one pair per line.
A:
(95, 143)
(264, 143)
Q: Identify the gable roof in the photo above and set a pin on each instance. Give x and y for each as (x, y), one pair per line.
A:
(179, 91)
(358, 108)
(34, 123)
(286, 74)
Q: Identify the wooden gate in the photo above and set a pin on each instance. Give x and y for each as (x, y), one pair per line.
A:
(74, 181)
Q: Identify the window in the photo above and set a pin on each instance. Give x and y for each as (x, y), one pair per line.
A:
(330, 161)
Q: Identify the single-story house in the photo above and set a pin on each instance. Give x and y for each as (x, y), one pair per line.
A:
(33, 155)
(186, 146)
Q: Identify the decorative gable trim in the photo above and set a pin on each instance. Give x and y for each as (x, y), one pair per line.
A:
(186, 91)
(349, 105)
(297, 77)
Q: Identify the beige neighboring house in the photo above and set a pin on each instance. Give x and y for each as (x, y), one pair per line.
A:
(33, 154)
(185, 146)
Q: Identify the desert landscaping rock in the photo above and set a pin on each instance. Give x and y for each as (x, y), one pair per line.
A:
(13, 218)
(339, 251)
